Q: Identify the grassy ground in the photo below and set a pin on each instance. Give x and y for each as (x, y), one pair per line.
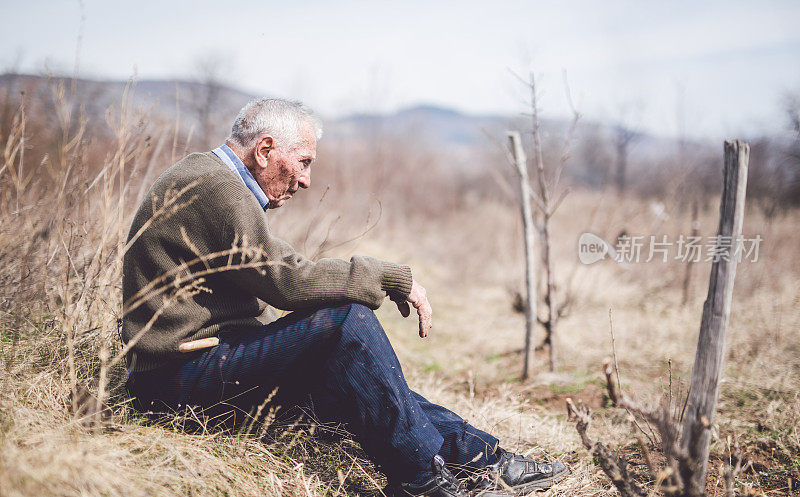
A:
(477, 334)
(60, 247)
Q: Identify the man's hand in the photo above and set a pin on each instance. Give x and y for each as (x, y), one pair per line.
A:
(419, 299)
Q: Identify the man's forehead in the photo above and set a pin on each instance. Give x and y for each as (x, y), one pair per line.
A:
(308, 132)
(307, 147)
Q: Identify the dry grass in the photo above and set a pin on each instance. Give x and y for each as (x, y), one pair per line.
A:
(758, 407)
(62, 226)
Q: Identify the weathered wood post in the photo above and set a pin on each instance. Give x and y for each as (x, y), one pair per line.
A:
(527, 224)
(716, 313)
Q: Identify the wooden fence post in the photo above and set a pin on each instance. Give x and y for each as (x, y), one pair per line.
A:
(716, 313)
(527, 224)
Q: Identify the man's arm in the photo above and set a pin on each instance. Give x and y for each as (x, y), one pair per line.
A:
(290, 281)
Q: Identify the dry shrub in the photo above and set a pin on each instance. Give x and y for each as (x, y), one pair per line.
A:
(63, 226)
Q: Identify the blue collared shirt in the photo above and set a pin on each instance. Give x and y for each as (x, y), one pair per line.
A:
(236, 165)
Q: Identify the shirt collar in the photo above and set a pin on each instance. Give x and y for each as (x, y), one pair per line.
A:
(236, 165)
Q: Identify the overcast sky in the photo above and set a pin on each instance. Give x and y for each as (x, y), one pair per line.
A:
(724, 66)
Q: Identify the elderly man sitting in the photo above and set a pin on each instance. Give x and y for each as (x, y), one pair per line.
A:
(207, 214)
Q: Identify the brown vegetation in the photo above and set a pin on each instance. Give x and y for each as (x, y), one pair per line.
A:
(68, 188)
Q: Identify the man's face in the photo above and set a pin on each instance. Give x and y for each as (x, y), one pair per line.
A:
(283, 170)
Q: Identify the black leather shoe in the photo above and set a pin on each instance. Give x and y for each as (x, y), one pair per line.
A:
(441, 484)
(518, 475)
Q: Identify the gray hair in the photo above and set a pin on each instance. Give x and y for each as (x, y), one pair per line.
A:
(279, 118)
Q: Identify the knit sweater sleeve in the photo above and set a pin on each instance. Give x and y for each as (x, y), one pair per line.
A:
(288, 280)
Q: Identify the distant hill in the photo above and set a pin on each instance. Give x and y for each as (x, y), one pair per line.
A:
(210, 108)
(435, 124)
(160, 94)
(167, 97)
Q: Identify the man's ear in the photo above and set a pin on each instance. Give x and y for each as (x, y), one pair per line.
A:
(261, 151)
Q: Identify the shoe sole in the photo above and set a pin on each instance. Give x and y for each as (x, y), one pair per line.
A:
(540, 484)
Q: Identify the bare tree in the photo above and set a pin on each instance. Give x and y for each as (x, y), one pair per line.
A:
(622, 141)
(792, 152)
(205, 95)
(594, 157)
(624, 136)
(547, 202)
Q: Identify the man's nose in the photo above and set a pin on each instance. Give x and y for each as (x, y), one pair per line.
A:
(305, 178)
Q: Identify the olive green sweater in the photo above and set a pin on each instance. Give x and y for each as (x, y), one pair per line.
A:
(202, 259)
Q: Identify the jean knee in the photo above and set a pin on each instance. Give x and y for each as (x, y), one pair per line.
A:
(330, 321)
(361, 313)
(361, 320)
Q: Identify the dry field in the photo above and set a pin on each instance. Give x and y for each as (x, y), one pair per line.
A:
(63, 219)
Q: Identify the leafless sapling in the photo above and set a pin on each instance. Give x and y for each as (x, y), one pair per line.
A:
(547, 199)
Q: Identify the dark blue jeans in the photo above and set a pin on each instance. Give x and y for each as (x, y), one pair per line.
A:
(337, 361)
